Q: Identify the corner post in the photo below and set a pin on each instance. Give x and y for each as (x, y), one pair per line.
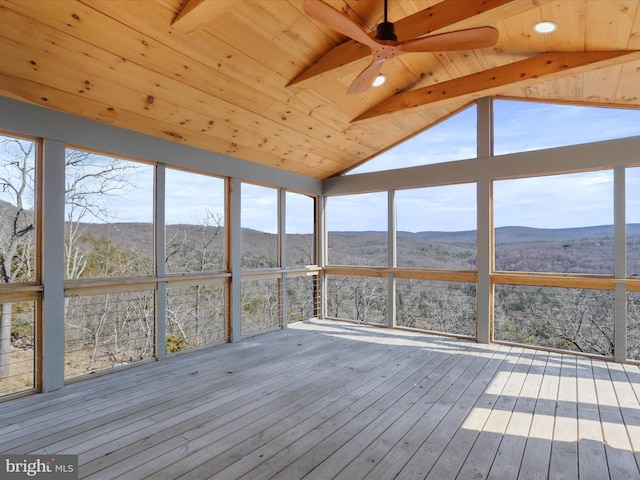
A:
(484, 288)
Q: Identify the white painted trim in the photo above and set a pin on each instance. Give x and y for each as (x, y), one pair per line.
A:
(590, 156)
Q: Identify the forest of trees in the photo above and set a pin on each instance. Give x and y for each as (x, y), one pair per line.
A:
(109, 329)
(566, 318)
(106, 330)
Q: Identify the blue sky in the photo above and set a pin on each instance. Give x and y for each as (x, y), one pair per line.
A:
(559, 201)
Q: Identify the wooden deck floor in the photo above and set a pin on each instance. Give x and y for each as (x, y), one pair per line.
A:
(326, 400)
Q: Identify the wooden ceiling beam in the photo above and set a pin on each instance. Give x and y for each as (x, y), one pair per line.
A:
(541, 68)
(442, 17)
(197, 13)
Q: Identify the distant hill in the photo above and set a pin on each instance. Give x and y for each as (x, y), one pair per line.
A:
(515, 234)
(449, 237)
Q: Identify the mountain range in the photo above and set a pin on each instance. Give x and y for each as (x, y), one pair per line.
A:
(511, 234)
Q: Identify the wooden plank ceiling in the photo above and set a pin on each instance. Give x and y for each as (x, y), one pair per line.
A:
(259, 80)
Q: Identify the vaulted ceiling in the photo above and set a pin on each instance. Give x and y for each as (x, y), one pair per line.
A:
(262, 81)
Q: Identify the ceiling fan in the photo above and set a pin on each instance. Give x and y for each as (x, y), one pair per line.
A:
(385, 45)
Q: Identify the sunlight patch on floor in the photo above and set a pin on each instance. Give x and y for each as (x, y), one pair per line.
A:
(548, 427)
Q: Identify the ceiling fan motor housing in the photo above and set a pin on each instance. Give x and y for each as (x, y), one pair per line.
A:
(386, 31)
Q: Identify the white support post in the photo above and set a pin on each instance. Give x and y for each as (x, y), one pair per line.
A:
(160, 254)
(392, 261)
(234, 242)
(321, 254)
(53, 310)
(484, 261)
(620, 264)
(282, 253)
(484, 287)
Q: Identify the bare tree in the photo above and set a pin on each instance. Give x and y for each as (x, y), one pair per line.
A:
(90, 179)
(184, 253)
(16, 234)
(192, 311)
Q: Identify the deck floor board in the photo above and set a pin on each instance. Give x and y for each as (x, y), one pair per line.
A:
(334, 400)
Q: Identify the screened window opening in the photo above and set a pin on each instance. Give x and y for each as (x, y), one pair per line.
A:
(526, 126)
(260, 306)
(18, 347)
(436, 227)
(196, 316)
(108, 330)
(357, 229)
(633, 326)
(445, 307)
(302, 297)
(259, 218)
(17, 208)
(555, 224)
(453, 139)
(300, 228)
(575, 319)
(18, 263)
(632, 211)
(357, 298)
(195, 222)
(108, 216)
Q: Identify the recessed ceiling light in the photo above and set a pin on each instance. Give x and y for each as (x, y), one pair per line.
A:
(379, 80)
(545, 27)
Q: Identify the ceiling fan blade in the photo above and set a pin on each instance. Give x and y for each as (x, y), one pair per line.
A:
(323, 13)
(364, 81)
(472, 38)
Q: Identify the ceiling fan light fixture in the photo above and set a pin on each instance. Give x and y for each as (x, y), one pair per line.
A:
(545, 27)
(379, 80)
